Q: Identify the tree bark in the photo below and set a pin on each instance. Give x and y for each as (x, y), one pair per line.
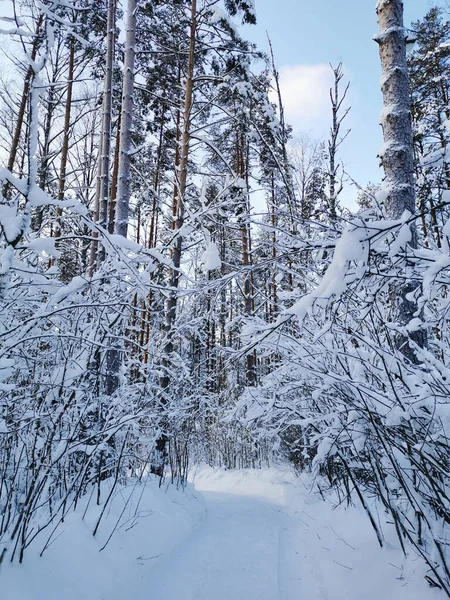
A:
(124, 182)
(114, 353)
(23, 103)
(66, 134)
(398, 155)
(114, 180)
(102, 192)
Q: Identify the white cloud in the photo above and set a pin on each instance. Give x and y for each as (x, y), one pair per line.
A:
(305, 95)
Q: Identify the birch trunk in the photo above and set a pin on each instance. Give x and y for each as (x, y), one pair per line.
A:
(124, 182)
(107, 115)
(102, 192)
(114, 180)
(121, 206)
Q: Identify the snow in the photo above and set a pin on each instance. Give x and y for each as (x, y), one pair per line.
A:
(211, 258)
(16, 31)
(77, 284)
(403, 237)
(75, 566)
(392, 109)
(217, 16)
(232, 535)
(124, 243)
(44, 245)
(10, 222)
(351, 247)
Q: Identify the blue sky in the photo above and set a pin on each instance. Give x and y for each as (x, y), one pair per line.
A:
(309, 34)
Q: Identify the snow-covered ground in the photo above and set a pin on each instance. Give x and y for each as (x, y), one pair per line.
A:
(232, 535)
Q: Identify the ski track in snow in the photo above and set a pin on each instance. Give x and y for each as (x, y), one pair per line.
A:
(241, 552)
(234, 535)
(264, 536)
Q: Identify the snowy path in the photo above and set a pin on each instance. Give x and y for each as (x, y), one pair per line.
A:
(241, 552)
(264, 536)
(233, 535)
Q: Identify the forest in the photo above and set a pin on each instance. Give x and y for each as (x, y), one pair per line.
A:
(181, 283)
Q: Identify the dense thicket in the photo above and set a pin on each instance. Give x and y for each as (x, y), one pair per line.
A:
(179, 281)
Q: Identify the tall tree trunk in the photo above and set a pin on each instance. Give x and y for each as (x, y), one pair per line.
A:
(114, 353)
(153, 232)
(242, 171)
(105, 157)
(38, 212)
(66, 135)
(124, 183)
(103, 178)
(114, 180)
(398, 155)
(178, 216)
(23, 103)
(273, 303)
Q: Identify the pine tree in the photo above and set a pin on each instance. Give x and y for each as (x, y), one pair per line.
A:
(397, 155)
(429, 72)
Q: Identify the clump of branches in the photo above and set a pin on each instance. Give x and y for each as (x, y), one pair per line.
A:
(365, 414)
